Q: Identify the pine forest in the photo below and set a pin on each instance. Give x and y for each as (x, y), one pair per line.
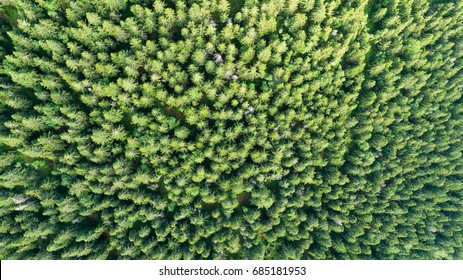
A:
(231, 129)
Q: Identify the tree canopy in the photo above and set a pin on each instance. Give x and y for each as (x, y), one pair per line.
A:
(245, 129)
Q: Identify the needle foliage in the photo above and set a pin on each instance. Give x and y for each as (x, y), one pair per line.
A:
(245, 129)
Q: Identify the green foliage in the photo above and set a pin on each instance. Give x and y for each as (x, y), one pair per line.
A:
(231, 129)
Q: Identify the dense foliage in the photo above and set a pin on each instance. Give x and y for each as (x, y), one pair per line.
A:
(215, 129)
